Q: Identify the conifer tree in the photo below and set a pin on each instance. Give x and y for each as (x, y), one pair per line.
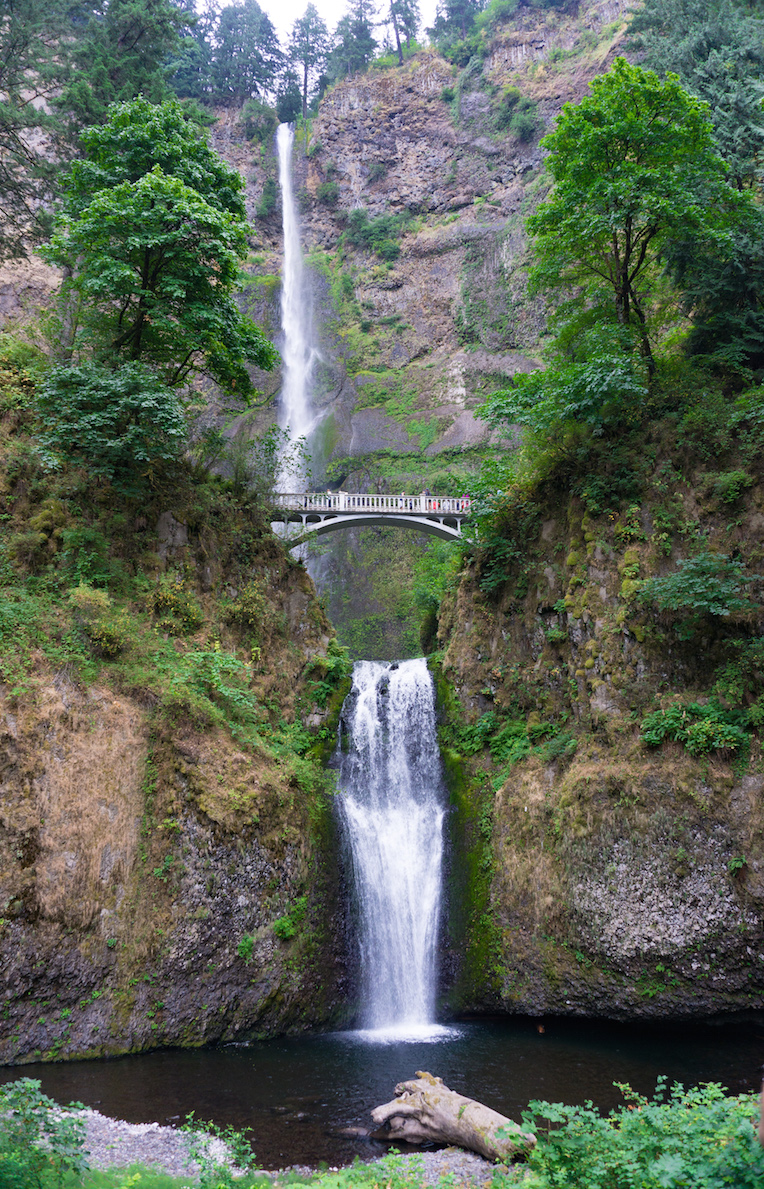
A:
(308, 49)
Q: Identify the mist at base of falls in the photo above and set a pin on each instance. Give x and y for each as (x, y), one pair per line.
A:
(392, 806)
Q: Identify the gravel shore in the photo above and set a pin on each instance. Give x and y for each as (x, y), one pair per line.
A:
(111, 1142)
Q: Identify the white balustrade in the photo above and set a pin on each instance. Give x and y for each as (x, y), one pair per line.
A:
(363, 502)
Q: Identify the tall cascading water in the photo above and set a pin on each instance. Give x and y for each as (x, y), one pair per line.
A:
(296, 414)
(392, 805)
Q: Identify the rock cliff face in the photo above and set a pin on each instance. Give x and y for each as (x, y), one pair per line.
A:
(613, 878)
(161, 882)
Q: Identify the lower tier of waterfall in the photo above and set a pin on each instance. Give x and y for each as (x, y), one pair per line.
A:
(392, 803)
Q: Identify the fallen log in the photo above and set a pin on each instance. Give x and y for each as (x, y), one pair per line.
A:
(426, 1111)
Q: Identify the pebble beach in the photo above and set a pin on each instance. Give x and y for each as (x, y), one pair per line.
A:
(114, 1143)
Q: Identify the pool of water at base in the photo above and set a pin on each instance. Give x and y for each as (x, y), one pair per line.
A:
(304, 1096)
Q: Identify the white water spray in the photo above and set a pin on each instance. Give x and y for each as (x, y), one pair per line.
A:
(392, 805)
(295, 413)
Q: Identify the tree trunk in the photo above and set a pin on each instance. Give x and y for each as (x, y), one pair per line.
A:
(395, 30)
(426, 1111)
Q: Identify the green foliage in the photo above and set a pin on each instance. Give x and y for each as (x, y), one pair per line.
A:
(39, 1145)
(269, 199)
(122, 424)
(377, 235)
(257, 463)
(287, 927)
(123, 51)
(518, 114)
(35, 45)
(179, 609)
(109, 637)
(634, 165)
(328, 673)
(354, 42)
(309, 49)
(717, 49)
(328, 193)
(151, 236)
(726, 486)
(690, 1139)
(85, 556)
(700, 728)
(259, 121)
(709, 584)
(246, 948)
(204, 1141)
(602, 386)
(245, 54)
(212, 685)
(250, 608)
(721, 280)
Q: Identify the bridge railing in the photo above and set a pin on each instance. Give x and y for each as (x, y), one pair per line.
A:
(343, 501)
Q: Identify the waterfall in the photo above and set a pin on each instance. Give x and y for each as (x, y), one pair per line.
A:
(392, 806)
(295, 412)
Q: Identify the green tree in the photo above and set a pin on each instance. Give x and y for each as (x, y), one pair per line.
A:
(125, 50)
(34, 56)
(151, 238)
(634, 165)
(354, 44)
(246, 56)
(722, 287)
(716, 47)
(308, 49)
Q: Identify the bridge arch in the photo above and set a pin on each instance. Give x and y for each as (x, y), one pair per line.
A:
(309, 513)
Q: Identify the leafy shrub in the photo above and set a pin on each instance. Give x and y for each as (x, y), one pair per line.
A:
(700, 728)
(286, 927)
(86, 556)
(120, 424)
(170, 598)
(259, 121)
(328, 193)
(560, 746)
(378, 235)
(472, 738)
(448, 94)
(518, 114)
(246, 947)
(268, 199)
(250, 608)
(219, 677)
(606, 387)
(38, 1144)
(726, 486)
(28, 548)
(496, 13)
(88, 602)
(709, 584)
(694, 1138)
(204, 1145)
(328, 672)
(109, 637)
(378, 169)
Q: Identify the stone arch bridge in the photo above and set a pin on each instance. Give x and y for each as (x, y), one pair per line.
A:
(303, 514)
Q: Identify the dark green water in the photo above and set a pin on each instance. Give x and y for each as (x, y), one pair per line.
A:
(298, 1094)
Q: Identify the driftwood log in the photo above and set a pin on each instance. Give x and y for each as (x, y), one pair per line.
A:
(426, 1111)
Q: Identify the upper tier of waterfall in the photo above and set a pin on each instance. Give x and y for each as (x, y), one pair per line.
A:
(296, 414)
(392, 804)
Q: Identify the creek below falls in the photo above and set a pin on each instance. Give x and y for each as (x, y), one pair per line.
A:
(299, 1094)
